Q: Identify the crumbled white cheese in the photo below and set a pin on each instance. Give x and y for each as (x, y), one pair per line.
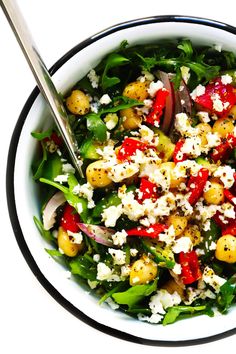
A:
(192, 146)
(154, 318)
(146, 134)
(133, 252)
(105, 99)
(206, 225)
(183, 125)
(198, 91)
(167, 236)
(118, 256)
(177, 268)
(92, 284)
(163, 300)
(147, 75)
(213, 140)
(61, 178)
(165, 205)
(227, 210)
(210, 278)
(226, 79)
(154, 87)
(111, 120)
(125, 271)
(111, 214)
(105, 273)
(79, 208)
(96, 257)
(131, 207)
(93, 78)
(86, 191)
(113, 305)
(205, 212)
(226, 175)
(218, 105)
(68, 168)
(182, 244)
(161, 177)
(204, 117)
(119, 238)
(121, 171)
(193, 294)
(183, 203)
(77, 237)
(212, 246)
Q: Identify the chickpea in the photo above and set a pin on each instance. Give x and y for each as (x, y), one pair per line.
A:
(66, 244)
(143, 271)
(167, 168)
(179, 223)
(78, 103)
(131, 118)
(232, 113)
(97, 174)
(215, 193)
(171, 286)
(193, 232)
(137, 90)
(203, 129)
(226, 249)
(223, 126)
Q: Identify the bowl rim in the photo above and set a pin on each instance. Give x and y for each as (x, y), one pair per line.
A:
(10, 193)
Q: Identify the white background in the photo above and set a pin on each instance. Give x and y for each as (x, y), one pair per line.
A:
(31, 320)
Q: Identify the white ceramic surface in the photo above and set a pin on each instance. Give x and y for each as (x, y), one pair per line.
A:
(26, 190)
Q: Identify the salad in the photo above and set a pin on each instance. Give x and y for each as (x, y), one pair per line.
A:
(151, 227)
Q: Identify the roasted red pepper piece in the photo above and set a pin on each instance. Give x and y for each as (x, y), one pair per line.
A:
(70, 219)
(152, 231)
(129, 148)
(228, 195)
(190, 269)
(230, 229)
(178, 156)
(55, 138)
(223, 93)
(148, 190)
(156, 112)
(196, 185)
(222, 151)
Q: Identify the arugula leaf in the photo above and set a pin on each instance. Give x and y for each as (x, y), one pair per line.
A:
(42, 135)
(71, 198)
(46, 234)
(113, 60)
(186, 46)
(227, 294)
(96, 126)
(39, 171)
(163, 256)
(174, 312)
(135, 294)
(120, 102)
(95, 123)
(53, 253)
(83, 267)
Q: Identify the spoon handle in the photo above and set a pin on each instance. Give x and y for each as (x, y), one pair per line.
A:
(43, 78)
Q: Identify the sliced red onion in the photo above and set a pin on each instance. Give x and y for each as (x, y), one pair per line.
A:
(100, 234)
(49, 212)
(184, 98)
(170, 102)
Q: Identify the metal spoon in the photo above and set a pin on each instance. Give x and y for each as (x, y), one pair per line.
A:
(43, 78)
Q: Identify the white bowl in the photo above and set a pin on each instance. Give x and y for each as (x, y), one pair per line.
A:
(22, 192)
